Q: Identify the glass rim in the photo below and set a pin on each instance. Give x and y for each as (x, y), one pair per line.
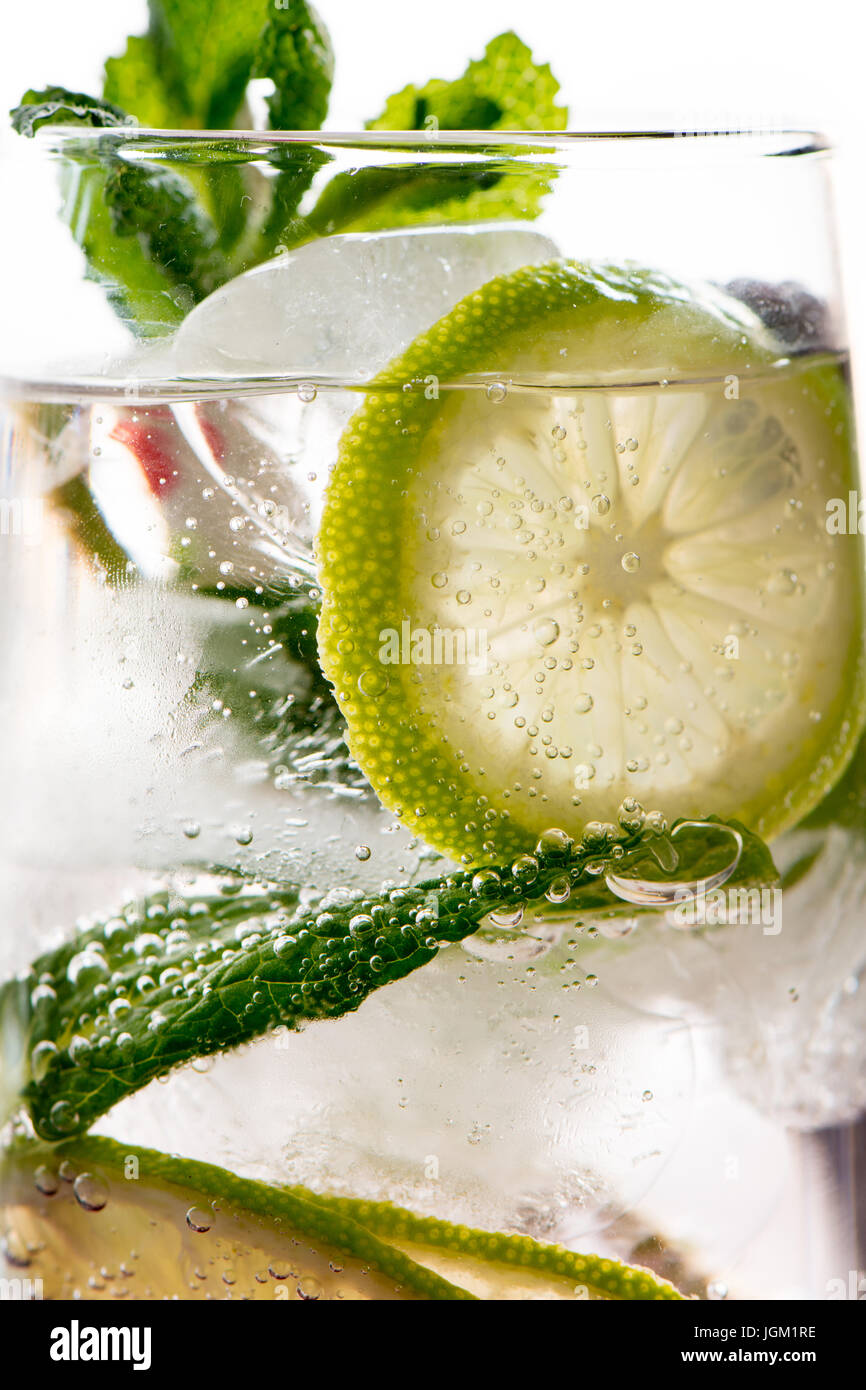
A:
(724, 143)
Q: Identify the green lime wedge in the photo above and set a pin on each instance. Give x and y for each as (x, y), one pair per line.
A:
(574, 555)
(99, 1219)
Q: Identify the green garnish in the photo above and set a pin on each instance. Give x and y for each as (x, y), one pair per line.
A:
(158, 241)
(168, 981)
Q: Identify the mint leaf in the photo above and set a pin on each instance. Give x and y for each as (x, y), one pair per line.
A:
(141, 292)
(143, 232)
(206, 50)
(160, 210)
(188, 979)
(137, 82)
(57, 106)
(295, 53)
(504, 90)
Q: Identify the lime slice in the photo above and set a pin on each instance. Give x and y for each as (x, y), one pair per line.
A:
(543, 600)
(100, 1220)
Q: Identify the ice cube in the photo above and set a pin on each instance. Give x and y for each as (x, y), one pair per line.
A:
(343, 306)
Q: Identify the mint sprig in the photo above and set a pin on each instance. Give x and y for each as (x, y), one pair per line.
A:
(167, 981)
(159, 242)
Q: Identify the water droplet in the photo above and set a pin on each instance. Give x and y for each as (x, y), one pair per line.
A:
(47, 1181)
(199, 1220)
(242, 834)
(464, 596)
(80, 1050)
(554, 844)
(361, 924)
(191, 829)
(362, 852)
(41, 1058)
(559, 890)
(630, 562)
(524, 868)
(306, 392)
(91, 1192)
(600, 504)
(486, 882)
(373, 683)
(14, 1248)
(86, 963)
(309, 1288)
(783, 583)
(558, 432)
(497, 391)
(439, 579)
(545, 631)
(507, 919)
(42, 994)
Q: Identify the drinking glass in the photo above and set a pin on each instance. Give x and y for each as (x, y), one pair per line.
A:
(629, 1075)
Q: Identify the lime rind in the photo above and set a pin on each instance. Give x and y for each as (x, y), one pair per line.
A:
(355, 1235)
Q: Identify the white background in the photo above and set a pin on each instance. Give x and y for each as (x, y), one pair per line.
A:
(632, 64)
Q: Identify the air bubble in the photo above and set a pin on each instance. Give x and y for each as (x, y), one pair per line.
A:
(199, 1220)
(41, 1058)
(373, 683)
(545, 631)
(630, 562)
(63, 1117)
(600, 504)
(307, 392)
(47, 1182)
(559, 890)
(91, 1192)
(496, 392)
(309, 1288)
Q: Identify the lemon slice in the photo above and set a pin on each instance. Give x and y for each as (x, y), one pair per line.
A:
(96, 1219)
(544, 599)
